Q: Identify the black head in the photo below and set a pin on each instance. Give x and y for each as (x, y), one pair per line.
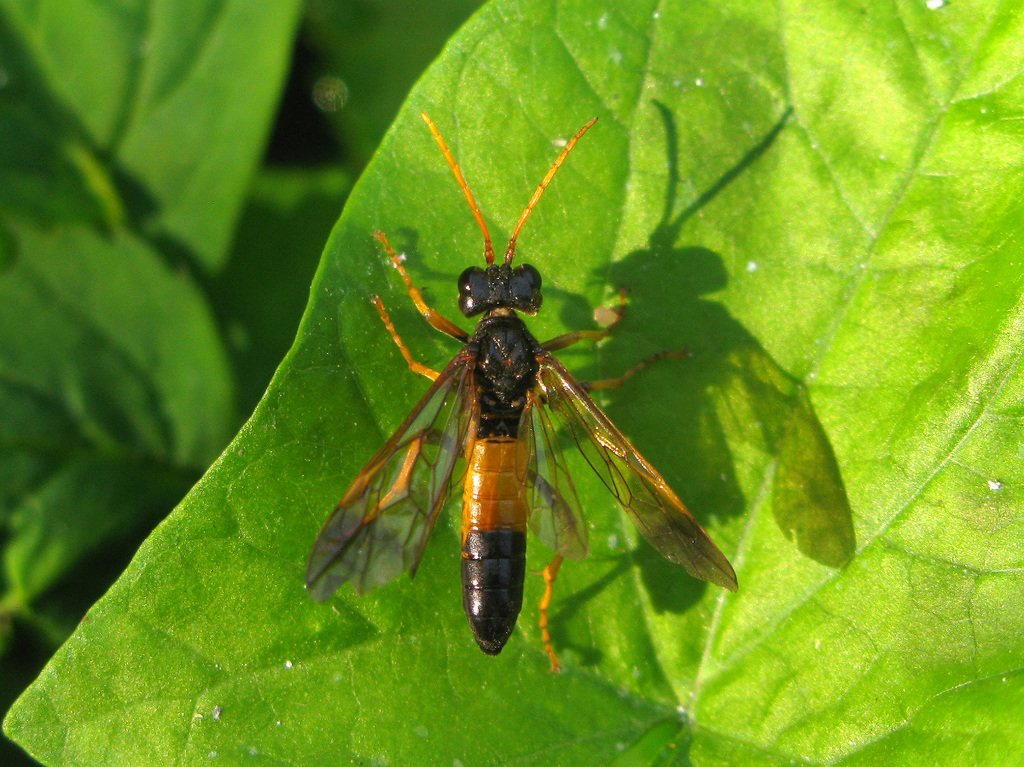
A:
(499, 287)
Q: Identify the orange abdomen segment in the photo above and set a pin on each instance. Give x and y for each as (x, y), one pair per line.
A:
(494, 494)
(494, 515)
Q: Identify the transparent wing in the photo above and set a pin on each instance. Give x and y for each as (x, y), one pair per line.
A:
(555, 515)
(658, 513)
(380, 527)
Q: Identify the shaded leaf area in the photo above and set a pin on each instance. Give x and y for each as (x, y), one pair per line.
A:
(127, 148)
(260, 293)
(847, 425)
(116, 393)
(366, 59)
(139, 112)
(74, 511)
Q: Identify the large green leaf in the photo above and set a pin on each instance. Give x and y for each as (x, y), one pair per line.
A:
(848, 279)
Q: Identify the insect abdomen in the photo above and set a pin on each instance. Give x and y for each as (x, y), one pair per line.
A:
(494, 515)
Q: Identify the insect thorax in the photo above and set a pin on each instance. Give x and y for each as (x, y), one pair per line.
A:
(506, 369)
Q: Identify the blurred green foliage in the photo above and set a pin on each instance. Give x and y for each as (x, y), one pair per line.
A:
(167, 182)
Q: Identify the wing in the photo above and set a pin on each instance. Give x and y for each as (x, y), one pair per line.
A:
(642, 491)
(380, 527)
(555, 515)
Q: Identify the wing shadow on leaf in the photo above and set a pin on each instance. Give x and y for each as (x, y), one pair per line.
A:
(730, 395)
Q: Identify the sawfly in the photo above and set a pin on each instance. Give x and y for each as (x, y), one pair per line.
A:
(494, 420)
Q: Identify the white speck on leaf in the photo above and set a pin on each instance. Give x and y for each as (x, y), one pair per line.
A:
(995, 484)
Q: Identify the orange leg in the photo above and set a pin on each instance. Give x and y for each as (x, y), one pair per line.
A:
(550, 573)
(432, 316)
(568, 339)
(414, 366)
(611, 317)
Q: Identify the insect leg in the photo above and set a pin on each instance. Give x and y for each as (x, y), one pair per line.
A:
(568, 339)
(550, 573)
(607, 317)
(612, 383)
(432, 316)
(414, 366)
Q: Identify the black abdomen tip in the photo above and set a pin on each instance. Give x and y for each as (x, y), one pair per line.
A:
(491, 636)
(493, 568)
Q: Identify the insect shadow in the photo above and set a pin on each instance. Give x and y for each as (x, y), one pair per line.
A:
(730, 396)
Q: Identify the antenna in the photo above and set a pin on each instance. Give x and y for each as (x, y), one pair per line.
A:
(488, 248)
(510, 251)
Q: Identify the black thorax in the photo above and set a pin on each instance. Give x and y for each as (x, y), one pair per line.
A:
(506, 370)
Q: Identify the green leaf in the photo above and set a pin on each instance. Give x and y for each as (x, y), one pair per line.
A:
(115, 391)
(141, 110)
(116, 394)
(847, 278)
(120, 126)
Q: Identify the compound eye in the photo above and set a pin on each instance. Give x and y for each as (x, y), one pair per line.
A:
(525, 288)
(474, 291)
(472, 280)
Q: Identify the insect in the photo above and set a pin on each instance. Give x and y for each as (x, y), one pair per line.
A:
(494, 419)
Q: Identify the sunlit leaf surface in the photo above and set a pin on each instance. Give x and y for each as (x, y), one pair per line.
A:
(822, 203)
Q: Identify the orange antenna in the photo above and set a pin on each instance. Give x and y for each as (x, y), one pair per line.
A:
(510, 251)
(488, 248)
